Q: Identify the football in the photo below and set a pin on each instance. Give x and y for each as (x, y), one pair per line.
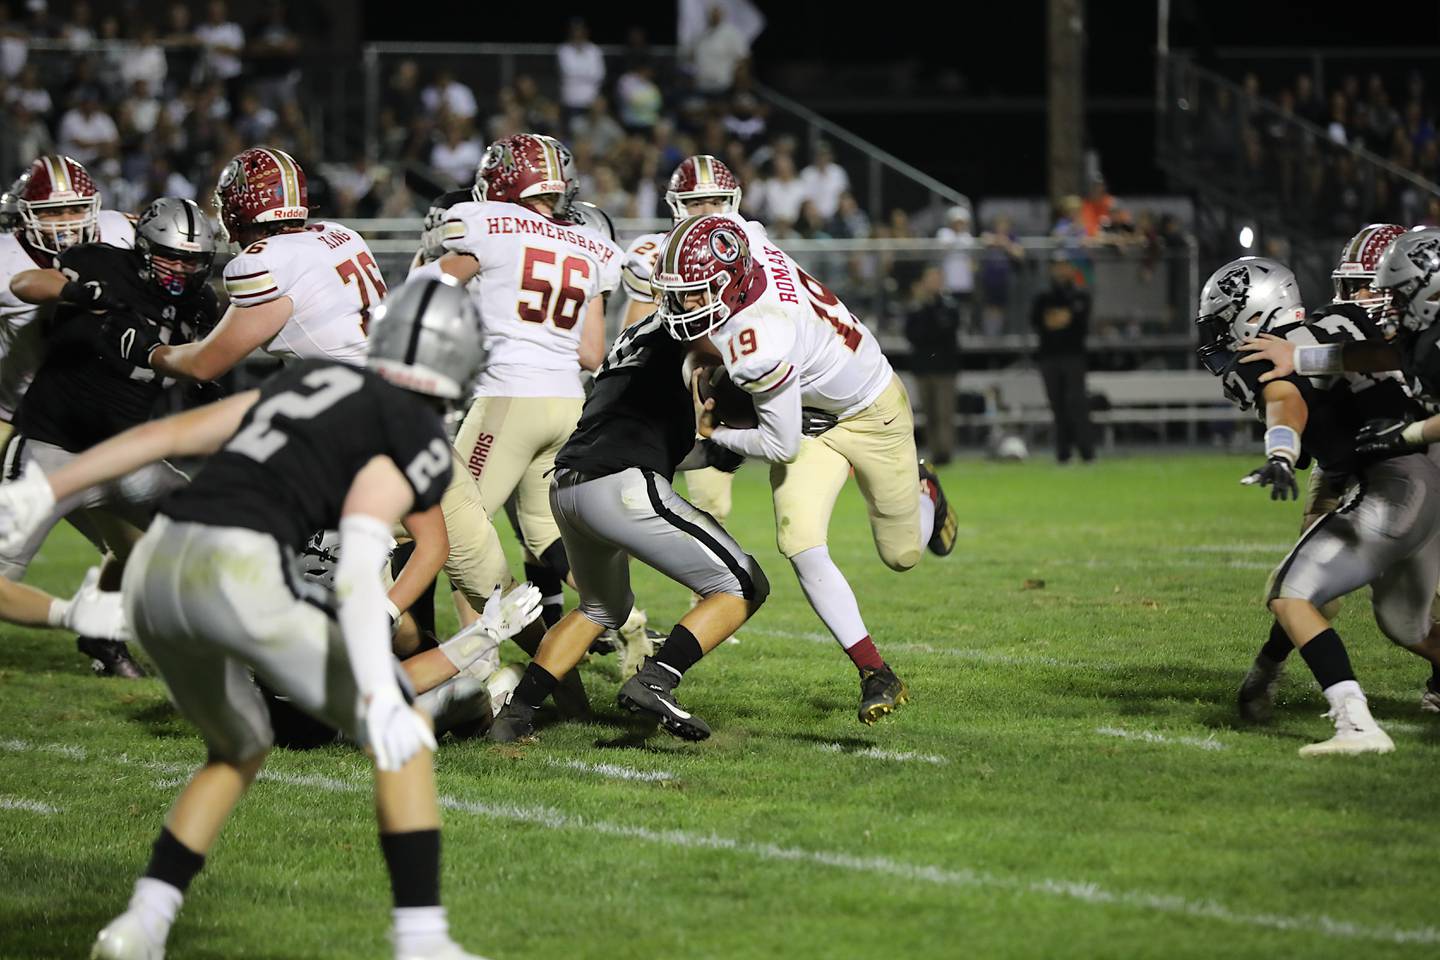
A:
(733, 406)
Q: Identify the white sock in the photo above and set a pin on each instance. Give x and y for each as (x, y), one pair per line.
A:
(156, 903)
(830, 595)
(419, 929)
(927, 517)
(1338, 693)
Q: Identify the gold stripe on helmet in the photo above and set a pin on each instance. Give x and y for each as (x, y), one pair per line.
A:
(676, 241)
(59, 174)
(289, 178)
(704, 173)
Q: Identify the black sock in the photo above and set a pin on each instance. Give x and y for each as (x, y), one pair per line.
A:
(681, 651)
(1278, 647)
(548, 582)
(1327, 659)
(535, 685)
(1435, 676)
(414, 862)
(172, 862)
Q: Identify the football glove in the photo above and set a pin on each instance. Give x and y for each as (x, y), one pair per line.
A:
(476, 649)
(92, 612)
(132, 338)
(1389, 438)
(24, 504)
(721, 458)
(814, 422)
(393, 731)
(89, 294)
(1279, 475)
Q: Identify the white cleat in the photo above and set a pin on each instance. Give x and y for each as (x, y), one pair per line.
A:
(635, 643)
(450, 950)
(1355, 732)
(1430, 699)
(125, 938)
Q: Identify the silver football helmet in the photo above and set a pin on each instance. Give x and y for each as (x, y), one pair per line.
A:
(178, 243)
(425, 337)
(1243, 299)
(1410, 274)
(10, 216)
(583, 213)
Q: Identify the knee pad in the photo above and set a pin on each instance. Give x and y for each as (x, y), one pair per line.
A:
(1401, 629)
(901, 560)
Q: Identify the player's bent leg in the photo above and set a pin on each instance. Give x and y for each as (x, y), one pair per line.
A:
(550, 421)
(496, 445)
(476, 562)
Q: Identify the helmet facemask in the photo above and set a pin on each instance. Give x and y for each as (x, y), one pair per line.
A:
(729, 201)
(176, 272)
(687, 323)
(54, 226)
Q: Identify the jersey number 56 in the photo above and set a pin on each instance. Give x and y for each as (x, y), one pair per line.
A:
(540, 276)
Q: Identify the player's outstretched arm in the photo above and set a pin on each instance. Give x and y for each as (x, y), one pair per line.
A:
(42, 286)
(91, 612)
(1394, 437)
(1318, 359)
(432, 547)
(241, 332)
(1285, 417)
(592, 335)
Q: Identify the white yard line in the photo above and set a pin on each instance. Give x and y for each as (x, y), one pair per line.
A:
(29, 806)
(963, 653)
(611, 770)
(875, 753)
(553, 819)
(1277, 548)
(1147, 736)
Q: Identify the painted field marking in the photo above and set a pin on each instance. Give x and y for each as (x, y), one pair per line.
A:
(875, 753)
(29, 806)
(612, 771)
(1147, 736)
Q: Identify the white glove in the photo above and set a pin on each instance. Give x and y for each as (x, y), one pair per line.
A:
(393, 731)
(92, 612)
(25, 502)
(503, 617)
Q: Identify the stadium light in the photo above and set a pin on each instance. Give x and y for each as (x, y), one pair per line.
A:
(1247, 236)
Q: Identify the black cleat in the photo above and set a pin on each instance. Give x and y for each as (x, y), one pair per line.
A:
(652, 691)
(947, 524)
(881, 692)
(110, 658)
(514, 724)
(1256, 699)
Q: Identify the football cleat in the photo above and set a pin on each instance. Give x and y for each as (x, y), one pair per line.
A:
(449, 950)
(881, 692)
(635, 643)
(125, 938)
(110, 658)
(1355, 732)
(1430, 699)
(947, 524)
(1256, 699)
(652, 691)
(515, 723)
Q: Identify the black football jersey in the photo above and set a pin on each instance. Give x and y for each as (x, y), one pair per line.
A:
(83, 392)
(1339, 404)
(640, 413)
(288, 468)
(1420, 353)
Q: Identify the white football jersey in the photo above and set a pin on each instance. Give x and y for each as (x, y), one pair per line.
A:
(798, 329)
(537, 276)
(22, 342)
(330, 276)
(640, 258)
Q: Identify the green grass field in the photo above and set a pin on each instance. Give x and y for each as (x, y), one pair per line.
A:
(1070, 779)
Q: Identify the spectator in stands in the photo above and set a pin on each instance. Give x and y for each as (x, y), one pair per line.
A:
(14, 44)
(86, 130)
(598, 126)
(28, 138)
(1308, 104)
(1335, 129)
(932, 326)
(849, 222)
(145, 61)
(166, 181)
(508, 121)
(450, 95)
(1001, 257)
(639, 97)
(458, 154)
(825, 180)
(182, 47)
(223, 41)
(30, 92)
(541, 115)
(273, 57)
(745, 122)
(1070, 231)
(783, 192)
(716, 54)
(609, 194)
(810, 225)
(1060, 317)
(139, 112)
(78, 27)
(582, 71)
(254, 121)
(958, 266)
(1096, 208)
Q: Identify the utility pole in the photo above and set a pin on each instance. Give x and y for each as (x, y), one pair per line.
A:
(1065, 29)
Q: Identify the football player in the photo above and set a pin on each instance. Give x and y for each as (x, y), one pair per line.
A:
(612, 499)
(303, 290)
(539, 281)
(81, 394)
(91, 612)
(700, 185)
(56, 207)
(1386, 532)
(827, 402)
(210, 593)
(1353, 279)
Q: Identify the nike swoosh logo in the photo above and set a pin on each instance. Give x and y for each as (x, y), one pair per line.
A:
(675, 710)
(890, 421)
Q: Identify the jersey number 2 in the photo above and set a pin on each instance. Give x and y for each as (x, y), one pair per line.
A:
(361, 268)
(260, 441)
(565, 311)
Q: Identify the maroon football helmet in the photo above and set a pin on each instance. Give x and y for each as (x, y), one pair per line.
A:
(707, 255)
(702, 177)
(261, 185)
(526, 166)
(1358, 263)
(59, 206)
